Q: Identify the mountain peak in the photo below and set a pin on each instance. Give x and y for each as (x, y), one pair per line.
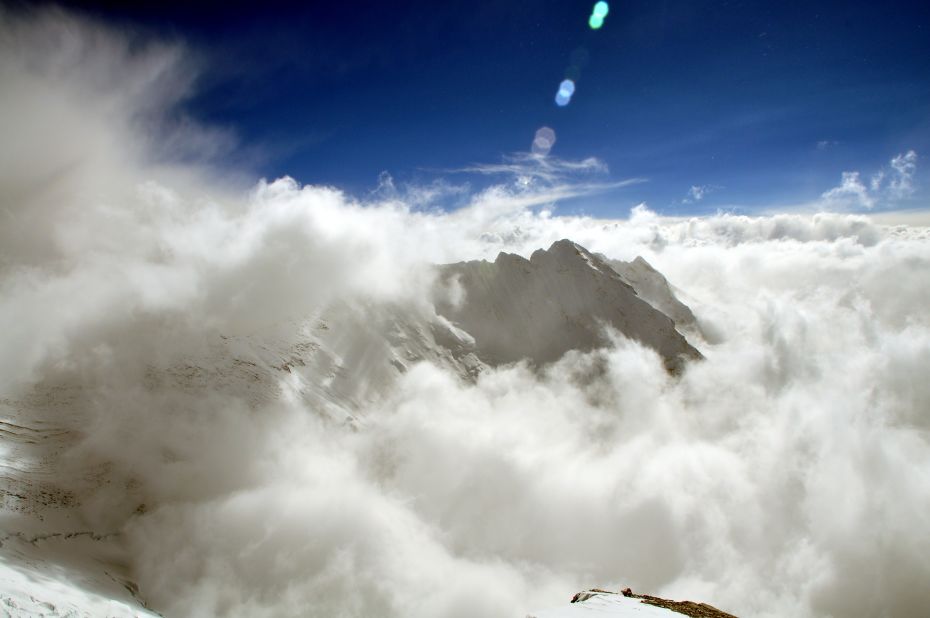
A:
(565, 249)
(510, 258)
(558, 300)
(566, 244)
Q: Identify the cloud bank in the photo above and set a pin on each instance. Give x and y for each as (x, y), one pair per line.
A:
(785, 475)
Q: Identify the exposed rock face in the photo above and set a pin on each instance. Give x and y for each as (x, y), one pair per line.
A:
(688, 608)
(558, 300)
(654, 288)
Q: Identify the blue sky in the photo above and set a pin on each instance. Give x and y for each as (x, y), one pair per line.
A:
(757, 104)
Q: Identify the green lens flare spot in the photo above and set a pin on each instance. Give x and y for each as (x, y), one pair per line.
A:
(596, 22)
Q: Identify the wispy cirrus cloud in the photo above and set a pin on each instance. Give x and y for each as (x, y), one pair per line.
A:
(548, 179)
(528, 167)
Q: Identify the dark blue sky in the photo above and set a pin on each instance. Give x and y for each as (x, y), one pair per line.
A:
(763, 103)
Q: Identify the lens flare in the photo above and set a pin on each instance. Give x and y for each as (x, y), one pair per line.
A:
(564, 95)
(598, 14)
(543, 142)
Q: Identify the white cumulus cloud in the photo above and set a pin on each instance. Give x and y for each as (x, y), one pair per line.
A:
(885, 188)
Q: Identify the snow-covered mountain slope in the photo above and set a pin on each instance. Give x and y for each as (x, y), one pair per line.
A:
(341, 359)
(66, 576)
(560, 299)
(52, 561)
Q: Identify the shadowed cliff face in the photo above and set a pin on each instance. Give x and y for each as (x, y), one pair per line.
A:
(654, 288)
(561, 299)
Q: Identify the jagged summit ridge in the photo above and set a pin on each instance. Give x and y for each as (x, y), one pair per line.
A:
(558, 300)
(654, 288)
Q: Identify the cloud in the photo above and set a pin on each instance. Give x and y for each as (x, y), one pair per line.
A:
(486, 499)
(784, 475)
(698, 192)
(904, 166)
(885, 187)
(529, 168)
(436, 194)
(850, 195)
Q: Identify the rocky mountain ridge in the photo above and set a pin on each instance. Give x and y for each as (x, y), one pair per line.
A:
(560, 299)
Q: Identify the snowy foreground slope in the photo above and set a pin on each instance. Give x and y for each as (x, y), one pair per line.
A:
(63, 512)
(51, 562)
(613, 605)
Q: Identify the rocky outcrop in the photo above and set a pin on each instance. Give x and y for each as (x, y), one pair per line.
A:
(627, 604)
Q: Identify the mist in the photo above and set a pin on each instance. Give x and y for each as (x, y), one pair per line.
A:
(788, 473)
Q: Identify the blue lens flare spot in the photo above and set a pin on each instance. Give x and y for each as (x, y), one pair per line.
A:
(564, 95)
(543, 141)
(601, 9)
